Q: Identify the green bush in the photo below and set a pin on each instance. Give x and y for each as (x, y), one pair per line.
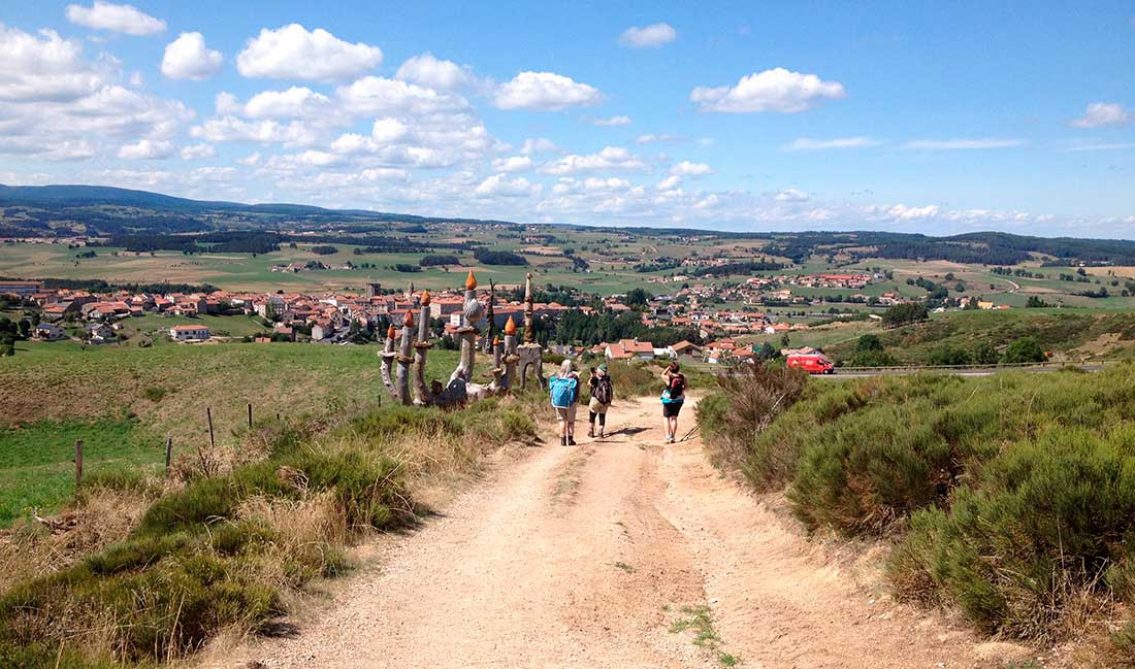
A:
(1046, 520)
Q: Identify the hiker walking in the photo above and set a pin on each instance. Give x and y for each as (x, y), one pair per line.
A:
(672, 399)
(602, 394)
(564, 388)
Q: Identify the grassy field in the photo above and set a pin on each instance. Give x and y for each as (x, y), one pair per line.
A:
(124, 401)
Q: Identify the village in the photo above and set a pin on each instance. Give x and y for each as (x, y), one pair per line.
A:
(717, 332)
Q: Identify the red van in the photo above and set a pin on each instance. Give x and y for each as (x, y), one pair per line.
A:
(815, 363)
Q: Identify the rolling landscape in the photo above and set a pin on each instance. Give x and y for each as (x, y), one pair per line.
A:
(635, 336)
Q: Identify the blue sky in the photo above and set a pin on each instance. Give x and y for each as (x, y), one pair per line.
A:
(935, 117)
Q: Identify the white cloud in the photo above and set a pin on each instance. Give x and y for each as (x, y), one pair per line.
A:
(688, 169)
(539, 145)
(610, 122)
(292, 52)
(250, 160)
(777, 90)
(962, 144)
(388, 130)
(512, 164)
(233, 129)
(807, 144)
(146, 149)
(791, 195)
(669, 183)
(654, 35)
(905, 213)
(379, 96)
(499, 185)
(610, 158)
(198, 151)
(1103, 113)
(187, 57)
(45, 68)
(117, 18)
(430, 71)
(651, 138)
(544, 91)
(610, 183)
(295, 102)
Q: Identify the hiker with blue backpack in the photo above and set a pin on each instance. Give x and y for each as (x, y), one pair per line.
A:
(564, 389)
(672, 399)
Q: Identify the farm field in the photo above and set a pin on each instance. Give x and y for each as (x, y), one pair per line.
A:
(125, 401)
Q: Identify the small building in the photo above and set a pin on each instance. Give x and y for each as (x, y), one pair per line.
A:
(684, 350)
(21, 288)
(189, 333)
(100, 333)
(48, 332)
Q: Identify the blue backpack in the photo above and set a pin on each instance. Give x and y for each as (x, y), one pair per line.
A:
(563, 391)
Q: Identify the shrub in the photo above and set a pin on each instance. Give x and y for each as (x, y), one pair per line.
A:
(748, 401)
(1024, 350)
(1046, 520)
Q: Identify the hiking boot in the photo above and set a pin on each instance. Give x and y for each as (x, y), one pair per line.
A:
(591, 433)
(603, 434)
(571, 441)
(563, 441)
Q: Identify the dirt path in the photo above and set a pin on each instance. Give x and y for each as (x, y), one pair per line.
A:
(598, 556)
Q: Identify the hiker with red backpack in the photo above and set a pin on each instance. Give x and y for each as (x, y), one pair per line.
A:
(672, 399)
(602, 394)
(564, 389)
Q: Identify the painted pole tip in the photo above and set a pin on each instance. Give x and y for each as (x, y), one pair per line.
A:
(470, 281)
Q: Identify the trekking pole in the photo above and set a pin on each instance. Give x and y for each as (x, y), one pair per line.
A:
(693, 431)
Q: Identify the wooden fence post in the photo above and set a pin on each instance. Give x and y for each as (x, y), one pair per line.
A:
(250, 415)
(209, 417)
(78, 463)
(169, 453)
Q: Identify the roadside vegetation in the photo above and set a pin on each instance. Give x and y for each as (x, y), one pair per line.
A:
(1010, 497)
(142, 569)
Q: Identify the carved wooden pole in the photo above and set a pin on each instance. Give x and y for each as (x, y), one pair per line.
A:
(422, 394)
(469, 318)
(510, 356)
(529, 309)
(531, 353)
(388, 356)
(491, 327)
(404, 359)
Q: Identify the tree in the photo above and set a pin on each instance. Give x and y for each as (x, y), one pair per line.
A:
(637, 297)
(1023, 351)
(985, 354)
(867, 343)
(905, 314)
(948, 356)
(1035, 302)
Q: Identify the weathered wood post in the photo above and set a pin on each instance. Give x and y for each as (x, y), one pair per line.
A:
(169, 453)
(510, 356)
(422, 394)
(531, 354)
(470, 316)
(405, 360)
(209, 418)
(250, 415)
(78, 463)
(388, 356)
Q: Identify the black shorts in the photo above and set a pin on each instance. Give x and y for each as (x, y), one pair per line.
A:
(671, 409)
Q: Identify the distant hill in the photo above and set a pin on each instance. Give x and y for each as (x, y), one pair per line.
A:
(35, 206)
(63, 210)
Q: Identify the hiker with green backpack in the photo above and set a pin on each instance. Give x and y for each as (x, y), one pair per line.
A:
(564, 389)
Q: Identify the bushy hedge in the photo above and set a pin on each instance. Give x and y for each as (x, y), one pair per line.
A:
(1011, 495)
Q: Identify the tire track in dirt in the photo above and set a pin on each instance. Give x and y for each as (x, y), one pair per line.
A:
(584, 557)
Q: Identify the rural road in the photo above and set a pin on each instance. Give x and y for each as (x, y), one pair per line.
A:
(862, 372)
(585, 557)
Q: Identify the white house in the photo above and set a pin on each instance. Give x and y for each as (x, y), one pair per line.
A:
(189, 333)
